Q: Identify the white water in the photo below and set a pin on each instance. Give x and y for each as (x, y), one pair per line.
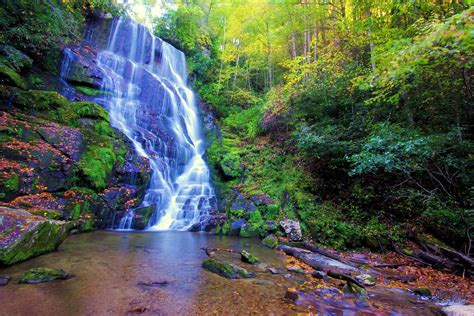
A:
(151, 103)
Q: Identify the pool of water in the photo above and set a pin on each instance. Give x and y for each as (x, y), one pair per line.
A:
(110, 265)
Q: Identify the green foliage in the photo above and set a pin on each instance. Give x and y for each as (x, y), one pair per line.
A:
(9, 77)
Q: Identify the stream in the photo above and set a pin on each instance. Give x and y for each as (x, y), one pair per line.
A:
(112, 270)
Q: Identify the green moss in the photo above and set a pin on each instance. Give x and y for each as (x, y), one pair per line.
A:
(89, 110)
(246, 256)
(8, 76)
(97, 164)
(88, 91)
(39, 275)
(13, 183)
(49, 214)
(76, 212)
(39, 100)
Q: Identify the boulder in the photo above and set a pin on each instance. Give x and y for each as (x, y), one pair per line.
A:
(25, 235)
(292, 229)
(248, 230)
(226, 269)
(40, 275)
(247, 257)
(271, 241)
(236, 225)
(142, 216)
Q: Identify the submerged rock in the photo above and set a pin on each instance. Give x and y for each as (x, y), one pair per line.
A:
(292, 229)
(26, 235)
(226, 269)
(39, 275)
(271, 241)
(246, 256)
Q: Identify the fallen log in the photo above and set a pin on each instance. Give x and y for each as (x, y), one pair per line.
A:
(333, 268)
(329, 254)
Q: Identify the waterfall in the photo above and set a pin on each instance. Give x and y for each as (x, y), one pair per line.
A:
(148, 99)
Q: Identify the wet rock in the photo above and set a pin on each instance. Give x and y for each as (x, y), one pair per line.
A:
(271, 241)
(39, 275)
(247, 257)
(366, 279)
(142, 216)
(4, 280)
(26, 235)
(226, 269)
(14, 58)
(458, 310)
(236, 225)
(296, 269)
(81, 67)
(292, 294)
(423, 291)
(272, 270)
(292, 229)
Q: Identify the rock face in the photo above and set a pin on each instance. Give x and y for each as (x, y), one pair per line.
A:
(25, 235)
(292, 229)
(40, 275)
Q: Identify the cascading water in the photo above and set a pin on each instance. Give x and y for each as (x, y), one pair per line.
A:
(147, 97)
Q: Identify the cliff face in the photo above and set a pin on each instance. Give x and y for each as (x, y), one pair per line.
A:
(59, 157)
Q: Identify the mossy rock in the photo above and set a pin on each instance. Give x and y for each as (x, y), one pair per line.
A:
(40, 275)
(249, 230)
(226, 269)
(8, 76)
(89, 110)
(271, 241)
(39, 100)
(142, 216)
(26, 236)
(14, 58)
(247, 257)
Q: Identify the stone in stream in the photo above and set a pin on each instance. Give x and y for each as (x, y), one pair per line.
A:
(458, 310)
(4, 280)
(292, 229)
(226, 269)
(272, 270)
(296, 269)
(156, 283)
(352, 288)
(247, 257)
(39, 275)
(271, 241)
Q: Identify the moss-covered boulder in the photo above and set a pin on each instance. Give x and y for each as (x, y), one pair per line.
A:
(142, 216)
(24, 235)
(271, 241)
(10, 77)
(40, 275)
(247, 257)
(226, 269)
(14, 58)
(249, 230)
